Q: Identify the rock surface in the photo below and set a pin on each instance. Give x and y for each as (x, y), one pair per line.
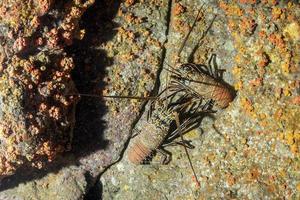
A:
(118, 56)
(249, 150)
(253, 153)
(37, 102)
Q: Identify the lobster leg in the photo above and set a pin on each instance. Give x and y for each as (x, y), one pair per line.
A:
(184, 143)
(186, 151)
(166, 155)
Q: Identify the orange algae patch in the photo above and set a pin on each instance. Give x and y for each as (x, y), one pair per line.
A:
(178, 9)
(296, 100)
(277, 40)
(270, 2)
(230, 179)
(292, 139)
(129, 3)
(231, 9)
(293, 31)
(254, 174)
(238, 85)
(264, 60)
(256, 82)
(247, 106)
(247, 1)
(247, 25)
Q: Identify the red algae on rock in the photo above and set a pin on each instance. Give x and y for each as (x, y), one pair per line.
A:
(37, 110)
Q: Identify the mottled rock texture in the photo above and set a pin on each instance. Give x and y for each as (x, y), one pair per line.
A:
(253, 153)
(110, 52)
(51, 49)
(37, 106)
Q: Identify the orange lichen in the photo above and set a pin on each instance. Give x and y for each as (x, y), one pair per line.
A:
(292, 139)
(278, 114)
(43, 107)
(247, 25)
(44, 5)
(237, 71)
(230, 179)
(154, 42)
(293, 31)
(179, 25)
(130, 18)
(129, 2)
(50, 150)
(287, 92)
(247, 1)
(231, 25)
(53, 38)
(251, 12)
(6, 167)
(298, 187)
(264, 60)
(247, 105)
(270, 2)
(277, 40)
(238, 85)
(39, 41)
(231, 9)
(294, 148)
(178, 9)
(126, 34)
(256, 82)
(254, 174)
(126, 57)
(296, 100)
(276, 13)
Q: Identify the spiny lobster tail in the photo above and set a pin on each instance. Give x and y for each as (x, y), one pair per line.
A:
(138, 153)
(155, 130)
(223, 96)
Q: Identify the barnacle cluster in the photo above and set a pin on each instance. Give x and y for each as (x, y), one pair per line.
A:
(36, 90)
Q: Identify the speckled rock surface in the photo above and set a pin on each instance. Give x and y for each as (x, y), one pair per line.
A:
(253, 153)
(133, 57)
(37, 111)
(115, 50)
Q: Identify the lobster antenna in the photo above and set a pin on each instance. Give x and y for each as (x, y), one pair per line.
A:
(182, 46)
(185, 148)
(199, 43)
(112, 96)
(188, 35)
(208, 28)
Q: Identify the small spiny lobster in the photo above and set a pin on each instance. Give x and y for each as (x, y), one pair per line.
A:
(156, 134)
(194, 90)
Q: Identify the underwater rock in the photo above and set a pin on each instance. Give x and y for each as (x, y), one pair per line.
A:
(37, 109)
(253, 154)
(103, 126)
(252, 151)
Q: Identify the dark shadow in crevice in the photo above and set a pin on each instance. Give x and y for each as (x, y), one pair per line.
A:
(90, 63)
(88, 75)
(94, 190)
